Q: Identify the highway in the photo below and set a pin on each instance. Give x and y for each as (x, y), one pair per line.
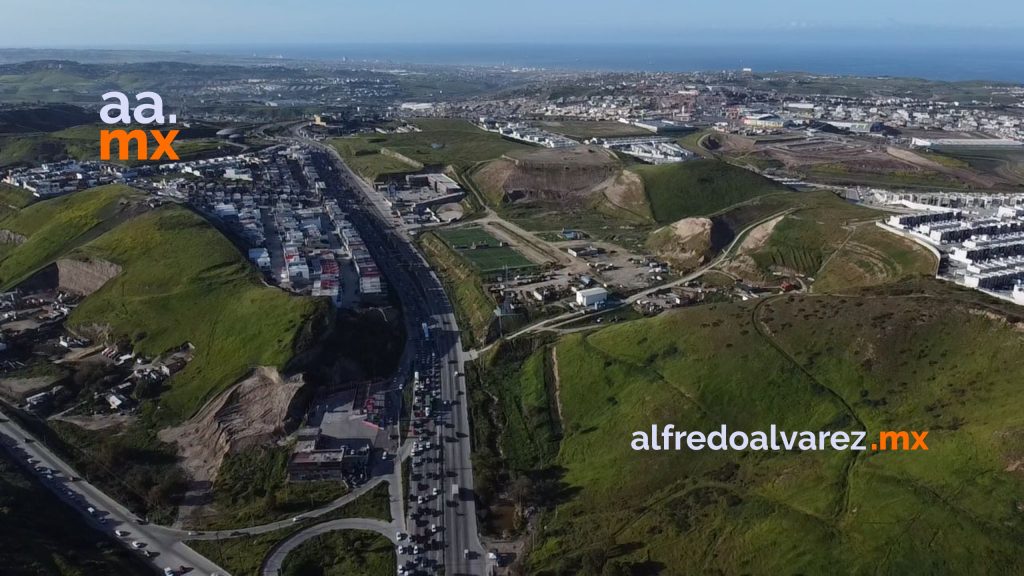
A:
(161, 547)
(443, 535)
(423, 296)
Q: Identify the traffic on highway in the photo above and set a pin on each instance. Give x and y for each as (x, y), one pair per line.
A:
(442, 518)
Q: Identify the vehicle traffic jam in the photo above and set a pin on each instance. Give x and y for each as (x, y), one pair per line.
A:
(427, 473)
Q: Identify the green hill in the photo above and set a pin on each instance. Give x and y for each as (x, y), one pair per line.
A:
(182, 281)
(42, 118)
(441, 142)
(12, 200)
(700, 188)
(916, 357)
(53, 227)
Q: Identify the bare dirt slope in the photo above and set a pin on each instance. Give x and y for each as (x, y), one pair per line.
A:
(85, 276)
(560, 175)
(685, 243)
(249, 413)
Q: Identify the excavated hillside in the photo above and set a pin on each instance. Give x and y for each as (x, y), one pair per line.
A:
(560, 175)
(685, 243)
(84, 277)
(253, 412)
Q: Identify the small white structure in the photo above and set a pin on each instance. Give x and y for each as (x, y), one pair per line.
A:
(591, 297)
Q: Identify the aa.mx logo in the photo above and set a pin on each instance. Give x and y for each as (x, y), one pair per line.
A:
(151, 112)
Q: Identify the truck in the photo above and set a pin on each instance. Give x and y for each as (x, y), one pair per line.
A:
(455, 491)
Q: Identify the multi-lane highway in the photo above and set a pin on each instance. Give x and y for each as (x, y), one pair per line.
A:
(159, 546)
(442, 522)
(440, 360)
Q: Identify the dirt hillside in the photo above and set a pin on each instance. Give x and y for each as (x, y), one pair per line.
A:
(250, 413)
(686, 243)
(560, 175)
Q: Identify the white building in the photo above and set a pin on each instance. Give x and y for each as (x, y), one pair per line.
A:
(591, 297)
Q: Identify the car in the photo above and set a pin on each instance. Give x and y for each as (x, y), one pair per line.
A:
(466, 552)
(400, 536)
(168, 572)
(296, 519)
(138, 545)
(121, 533)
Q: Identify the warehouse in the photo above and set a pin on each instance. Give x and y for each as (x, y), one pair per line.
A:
(591, 297)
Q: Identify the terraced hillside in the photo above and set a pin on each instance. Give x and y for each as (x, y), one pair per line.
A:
(564, 180)
(916, 356)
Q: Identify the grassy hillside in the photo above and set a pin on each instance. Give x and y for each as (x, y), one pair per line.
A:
(82, 143)
(910, 357)
(700, 188)
(585, 129)
(182, 281)
(53, 227)
(12, 200)
(42, 535)
(342, 553)
(441, 142)
(872, 256)
(462, 283)
(42, 118)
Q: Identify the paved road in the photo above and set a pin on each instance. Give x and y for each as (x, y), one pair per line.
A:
(423, 295)
(167, 550)
(272, 565)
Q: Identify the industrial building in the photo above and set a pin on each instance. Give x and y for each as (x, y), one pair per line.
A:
(591, 297)
(312, 459)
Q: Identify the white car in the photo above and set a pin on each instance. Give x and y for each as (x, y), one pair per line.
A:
(121, 533)
(138, 545)
(168, 572)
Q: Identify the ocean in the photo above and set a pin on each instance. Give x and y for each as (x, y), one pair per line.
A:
(955, 61)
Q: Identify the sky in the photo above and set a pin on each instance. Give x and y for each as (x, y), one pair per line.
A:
(123, 23)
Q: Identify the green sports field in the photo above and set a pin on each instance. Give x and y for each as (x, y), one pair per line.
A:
(484, 251)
